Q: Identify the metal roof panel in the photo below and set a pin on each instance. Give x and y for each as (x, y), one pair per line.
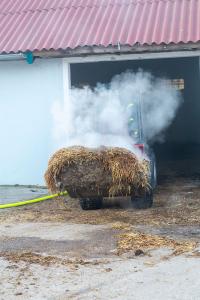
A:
(60, 24)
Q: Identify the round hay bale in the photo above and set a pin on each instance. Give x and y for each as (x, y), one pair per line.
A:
(105, 171)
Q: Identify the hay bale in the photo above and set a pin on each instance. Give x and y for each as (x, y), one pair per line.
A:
(106, 171)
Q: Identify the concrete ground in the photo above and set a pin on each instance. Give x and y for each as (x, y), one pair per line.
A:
(54, 250)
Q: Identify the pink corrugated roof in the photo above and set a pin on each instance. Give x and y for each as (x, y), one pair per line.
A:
(35, 25)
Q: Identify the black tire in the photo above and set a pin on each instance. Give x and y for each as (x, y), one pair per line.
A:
(91, 203)
(143, 202)
(153, 175)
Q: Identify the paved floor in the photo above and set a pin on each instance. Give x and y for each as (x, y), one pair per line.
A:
(56, 251)
(68, 261)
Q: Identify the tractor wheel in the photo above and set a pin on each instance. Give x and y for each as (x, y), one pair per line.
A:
(91, 203)
(143, 202)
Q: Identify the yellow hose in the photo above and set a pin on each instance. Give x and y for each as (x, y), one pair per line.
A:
(8, 205)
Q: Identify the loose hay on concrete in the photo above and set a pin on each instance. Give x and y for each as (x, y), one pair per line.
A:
(121, 226)
(105, 171)
(46, 260)
(136, 240)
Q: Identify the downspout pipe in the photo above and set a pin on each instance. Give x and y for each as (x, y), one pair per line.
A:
(28, 56)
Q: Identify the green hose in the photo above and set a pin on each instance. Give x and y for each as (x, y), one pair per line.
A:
(9, 205)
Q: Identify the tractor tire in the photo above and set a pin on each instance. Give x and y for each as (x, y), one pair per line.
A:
(143, 202)
(91, 203)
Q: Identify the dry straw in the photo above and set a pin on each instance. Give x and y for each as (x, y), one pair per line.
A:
(140, 241)
(123, 168)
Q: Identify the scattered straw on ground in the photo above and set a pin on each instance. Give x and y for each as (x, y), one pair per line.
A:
(135, 240)
(176, 204)
(121, 226)
(139, 241)
(46, 261)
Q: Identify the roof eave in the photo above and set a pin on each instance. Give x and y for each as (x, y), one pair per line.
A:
(118, 50)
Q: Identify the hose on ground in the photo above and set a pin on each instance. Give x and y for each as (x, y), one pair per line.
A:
(26, 202)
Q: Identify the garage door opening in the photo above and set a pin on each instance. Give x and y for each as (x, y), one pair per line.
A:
(178, 155)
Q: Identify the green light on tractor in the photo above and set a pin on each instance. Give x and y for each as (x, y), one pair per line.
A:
(130, 105)
(134, 133)
(131, 120)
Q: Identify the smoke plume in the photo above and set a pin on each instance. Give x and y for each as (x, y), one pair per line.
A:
(108, 114)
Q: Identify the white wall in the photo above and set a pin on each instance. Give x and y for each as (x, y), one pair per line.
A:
(26, 96)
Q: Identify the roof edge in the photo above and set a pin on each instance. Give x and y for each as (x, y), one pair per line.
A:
(117, 50)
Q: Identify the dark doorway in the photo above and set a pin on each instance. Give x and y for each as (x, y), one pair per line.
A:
(179, 153)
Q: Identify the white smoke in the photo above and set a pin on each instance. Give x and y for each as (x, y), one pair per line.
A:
(101, 116)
